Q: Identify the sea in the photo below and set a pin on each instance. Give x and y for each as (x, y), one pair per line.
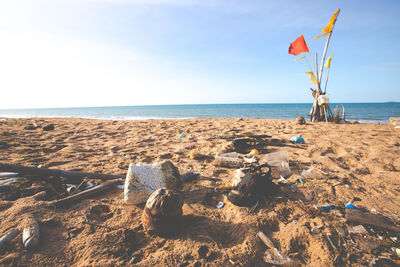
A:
(361, 112)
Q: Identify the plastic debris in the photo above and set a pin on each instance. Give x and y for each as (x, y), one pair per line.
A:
(359, 229)
(89, 185)
(397, 251)
(5, 239)
(30, 234)
(297, 140)
(220, 205)
(120, 186)
(280, 160)
(181, 135)
(312, 173)
(350, 206)
(71, 188)
(229, 160)
(250, 160)
(301, 181)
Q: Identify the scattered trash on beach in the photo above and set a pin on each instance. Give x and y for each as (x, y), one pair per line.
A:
(181, 135)
(297, 140)
(5, 239)
(280, 160)
(220, 205)
(31, 234)
(312, 173)
(229, 160)
(358, 229)
(254, 186)
(350, 206)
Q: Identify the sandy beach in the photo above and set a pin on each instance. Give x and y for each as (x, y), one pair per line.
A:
(355, 162)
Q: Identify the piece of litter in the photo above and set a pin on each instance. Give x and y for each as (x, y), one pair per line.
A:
(301, 181)
(397, 251)
(282, 180)
(181, 135)
(220, 205)
(393, 238)
(250, 160)
(359, 229)
(120, 186)
(373, 211)
(89, 185)
(351, 206)
(297, 140)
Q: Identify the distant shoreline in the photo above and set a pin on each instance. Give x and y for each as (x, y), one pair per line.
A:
(361, 112)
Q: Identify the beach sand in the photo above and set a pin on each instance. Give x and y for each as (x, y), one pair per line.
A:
(358, 162)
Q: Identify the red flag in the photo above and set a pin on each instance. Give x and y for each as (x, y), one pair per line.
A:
(298, 46)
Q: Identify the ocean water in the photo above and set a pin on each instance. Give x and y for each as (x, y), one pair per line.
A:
(362, 112)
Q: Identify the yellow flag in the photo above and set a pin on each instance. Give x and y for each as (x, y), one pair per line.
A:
(329, 27)
(312, 77)
(299, 58)
(328, 62)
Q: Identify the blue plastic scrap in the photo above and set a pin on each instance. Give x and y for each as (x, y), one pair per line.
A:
(181, 135)
(297, 140)
(351, 206)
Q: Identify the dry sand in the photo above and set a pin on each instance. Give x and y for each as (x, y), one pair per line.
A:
(359, 162)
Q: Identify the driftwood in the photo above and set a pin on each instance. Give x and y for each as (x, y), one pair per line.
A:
(84, 194)
(58, 173)
(359, 217)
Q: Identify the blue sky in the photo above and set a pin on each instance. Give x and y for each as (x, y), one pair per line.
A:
(140, 52)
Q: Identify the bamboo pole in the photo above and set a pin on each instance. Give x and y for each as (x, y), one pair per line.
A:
(316, 77)
(326, 49)
(326, 82)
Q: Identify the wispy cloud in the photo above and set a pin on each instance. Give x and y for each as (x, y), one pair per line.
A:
(386, 67)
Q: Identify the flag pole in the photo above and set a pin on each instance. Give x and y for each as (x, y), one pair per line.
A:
(316, 71)
(326, 49)
(327, 76)
(308, 63)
